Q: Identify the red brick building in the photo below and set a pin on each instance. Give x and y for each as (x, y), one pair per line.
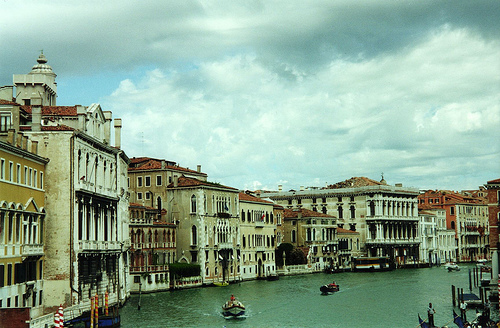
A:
(493, 188)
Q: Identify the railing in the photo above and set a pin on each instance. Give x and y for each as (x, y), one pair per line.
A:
(153, 245)
(149, 268)
(392, 241)
(97, 245)
(259, 224)
(32, 249)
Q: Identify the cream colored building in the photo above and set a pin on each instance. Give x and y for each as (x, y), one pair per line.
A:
(208, 223)
(22, 220)
(315, 233)
(258, 237)
(148, 179)
(385, 216)
(87, 235)
(472, 230)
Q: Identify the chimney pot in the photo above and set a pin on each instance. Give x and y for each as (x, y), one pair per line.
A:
(198, 168)
(118, 132)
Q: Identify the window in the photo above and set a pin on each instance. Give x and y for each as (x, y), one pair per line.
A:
(128, 182)
(139, 181)
(158, 180)
(18, 173)
(148, 195)
(193, 204)
(5, 122)
(11, 171)
(147, 181)
(2, 169)
(41, 180)
(30, 177)
(25, 175)
(35, 173)
(452, 210)
(194, 236)
(139, 195)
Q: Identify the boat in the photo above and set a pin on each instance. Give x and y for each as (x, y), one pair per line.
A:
(112, 320)
(330, 288)
(233, 308)
(372, 264)
(273, 277)
(221, 284)
(452, 266)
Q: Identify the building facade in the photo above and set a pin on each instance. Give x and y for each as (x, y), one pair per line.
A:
(258, 237)
(152, 249)
(385, 216)
(85, 183)
(22, 221)
(493, 192)
(207, 218)
(315, 233)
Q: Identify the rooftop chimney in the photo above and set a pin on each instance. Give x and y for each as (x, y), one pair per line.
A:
(280, 188)
(301, 188)
(81, 112)
(176, 181)
(163, 164)
(36, 114)
(107, 126)
(118, 133)
(34, 147)
(198, 168)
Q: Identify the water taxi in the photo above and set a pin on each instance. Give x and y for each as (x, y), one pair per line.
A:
(233, 308)
(452, 266)
(330, 288)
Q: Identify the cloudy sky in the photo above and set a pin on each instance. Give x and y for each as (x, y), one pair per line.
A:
(298, 93)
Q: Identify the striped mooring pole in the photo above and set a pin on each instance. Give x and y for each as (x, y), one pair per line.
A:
(499, 291)
(106, 299)
(61, 316)
(92, 312)
(56, 320)
(96, 310)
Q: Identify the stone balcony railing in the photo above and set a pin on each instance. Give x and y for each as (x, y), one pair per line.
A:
(393, 241)
(149, 268)
(32, 249)
(153, 245)
(98, 245)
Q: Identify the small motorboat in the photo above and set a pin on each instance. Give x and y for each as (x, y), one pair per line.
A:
(330, 288)
(452, 266)
(233, 308)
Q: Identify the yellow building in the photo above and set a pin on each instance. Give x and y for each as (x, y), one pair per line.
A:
(22, 218)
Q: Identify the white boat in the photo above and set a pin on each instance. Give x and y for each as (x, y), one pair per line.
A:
(233, 308)
(452, 266)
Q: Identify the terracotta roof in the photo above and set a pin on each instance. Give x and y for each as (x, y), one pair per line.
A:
(494, 181)
(54, 110)
(60, 127)
(342, 230)
(192, 182)
(145, 163)
(305, 213)
(243, 196)
(7, 102)
(141, 206)
(354, 183)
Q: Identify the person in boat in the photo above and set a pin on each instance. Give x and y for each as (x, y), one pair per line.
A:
(430, 315)
(333, 284)
(463, 310)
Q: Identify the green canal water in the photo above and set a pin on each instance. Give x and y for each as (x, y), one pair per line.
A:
(371, 299)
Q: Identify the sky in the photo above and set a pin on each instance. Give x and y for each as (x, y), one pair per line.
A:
(291, 93)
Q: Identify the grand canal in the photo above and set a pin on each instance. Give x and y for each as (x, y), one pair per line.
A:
(377, 299)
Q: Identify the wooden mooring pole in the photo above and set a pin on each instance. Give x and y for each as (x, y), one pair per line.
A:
(453, 295)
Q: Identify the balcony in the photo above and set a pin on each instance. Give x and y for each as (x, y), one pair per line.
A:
(93, 245)
(149, 268)
(32, 250)
(154, 245)
(259, 224)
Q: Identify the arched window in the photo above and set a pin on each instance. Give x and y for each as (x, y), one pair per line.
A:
(293, 236)
(353, 212)
(341, 212)
(372, 208)
(158, 203)
(242, 216)
(194, 236)
(193, 204)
